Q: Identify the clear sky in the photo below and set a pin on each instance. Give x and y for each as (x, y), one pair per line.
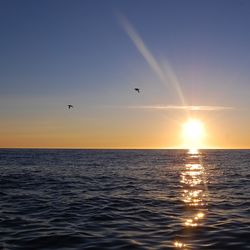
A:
(189, 58)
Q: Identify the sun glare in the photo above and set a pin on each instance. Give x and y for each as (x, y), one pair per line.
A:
(193, 133)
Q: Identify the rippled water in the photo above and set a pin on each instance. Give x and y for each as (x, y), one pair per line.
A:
(124, 199)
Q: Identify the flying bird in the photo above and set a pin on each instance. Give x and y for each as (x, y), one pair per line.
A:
(137, 89)
(70, 106)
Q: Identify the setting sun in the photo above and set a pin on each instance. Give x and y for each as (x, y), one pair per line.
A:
(193, 133)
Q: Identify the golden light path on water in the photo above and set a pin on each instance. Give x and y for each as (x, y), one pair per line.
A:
(194, 196)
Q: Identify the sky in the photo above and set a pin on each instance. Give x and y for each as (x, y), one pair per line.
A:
(190, 59)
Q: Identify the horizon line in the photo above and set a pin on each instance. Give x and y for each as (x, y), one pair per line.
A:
(91, 148)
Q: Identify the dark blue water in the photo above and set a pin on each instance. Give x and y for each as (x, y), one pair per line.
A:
(124, 199)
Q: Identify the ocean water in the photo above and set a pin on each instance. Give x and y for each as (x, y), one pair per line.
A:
(124, 199)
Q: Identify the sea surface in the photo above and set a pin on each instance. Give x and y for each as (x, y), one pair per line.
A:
(124, 199)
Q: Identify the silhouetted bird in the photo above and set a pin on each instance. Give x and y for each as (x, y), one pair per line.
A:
(70, 106)
(137, 89)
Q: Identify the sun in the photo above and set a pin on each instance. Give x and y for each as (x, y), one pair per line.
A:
(193, 129)
(193, 133)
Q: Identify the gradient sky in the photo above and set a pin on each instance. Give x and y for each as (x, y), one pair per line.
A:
(57, 52)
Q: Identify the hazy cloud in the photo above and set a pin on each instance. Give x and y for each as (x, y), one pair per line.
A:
(176, 107)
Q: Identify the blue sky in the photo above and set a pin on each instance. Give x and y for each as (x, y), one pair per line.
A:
(59, 52)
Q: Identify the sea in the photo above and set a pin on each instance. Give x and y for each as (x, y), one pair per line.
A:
(124, 199)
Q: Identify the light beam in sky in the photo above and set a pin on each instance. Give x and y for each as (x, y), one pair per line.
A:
(164, 73)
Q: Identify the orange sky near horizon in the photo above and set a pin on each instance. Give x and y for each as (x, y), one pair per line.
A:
(134, 129)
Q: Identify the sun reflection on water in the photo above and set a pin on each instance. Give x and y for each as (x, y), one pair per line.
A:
(193, 151)
(178, 244)
(194, 194)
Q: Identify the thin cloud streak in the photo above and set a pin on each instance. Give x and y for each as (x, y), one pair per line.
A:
(176, 107)
(164, 72)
